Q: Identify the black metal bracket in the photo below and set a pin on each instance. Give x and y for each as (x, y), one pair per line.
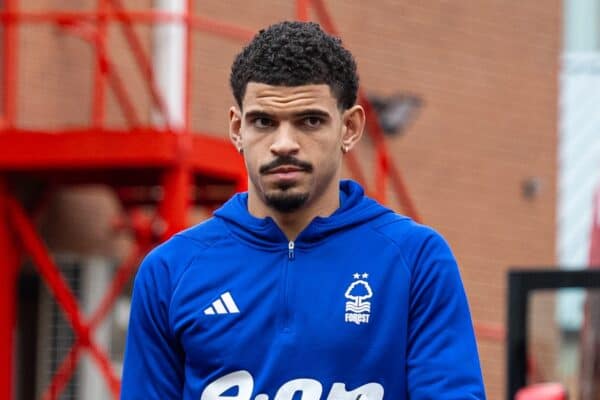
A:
(520, 284)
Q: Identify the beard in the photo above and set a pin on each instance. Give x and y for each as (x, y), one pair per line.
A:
(285, 201)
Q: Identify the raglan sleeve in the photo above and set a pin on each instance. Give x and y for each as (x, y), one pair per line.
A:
(153, 367)
(442, 357)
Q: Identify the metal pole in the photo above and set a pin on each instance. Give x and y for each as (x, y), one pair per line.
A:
(171, 56)
(168, 63)
(99, 88)
(516, 340)
(302, 8)
(8, 295)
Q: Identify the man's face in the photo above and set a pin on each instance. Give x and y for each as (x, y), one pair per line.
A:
(292, 139)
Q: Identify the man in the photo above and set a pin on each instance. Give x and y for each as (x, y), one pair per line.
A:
(301, 287)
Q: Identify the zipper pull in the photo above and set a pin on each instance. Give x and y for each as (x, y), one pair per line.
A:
(291, 250)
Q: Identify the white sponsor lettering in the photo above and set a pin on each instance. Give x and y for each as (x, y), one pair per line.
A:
(242, 379)
(309, 388)
(370, 391)
(224, 388)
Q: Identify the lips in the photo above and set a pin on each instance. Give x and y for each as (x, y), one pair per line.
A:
(284, 169)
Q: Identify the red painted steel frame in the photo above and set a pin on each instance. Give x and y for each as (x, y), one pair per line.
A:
(63, 295)
(10, 65)
(8, 294)
(100, 72)
(176, 156)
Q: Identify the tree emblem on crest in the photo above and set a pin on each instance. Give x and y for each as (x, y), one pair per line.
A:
(358, 292)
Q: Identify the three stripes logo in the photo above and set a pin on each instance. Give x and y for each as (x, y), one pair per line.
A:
(223, 305)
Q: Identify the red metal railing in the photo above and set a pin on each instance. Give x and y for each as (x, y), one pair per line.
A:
(176, 167)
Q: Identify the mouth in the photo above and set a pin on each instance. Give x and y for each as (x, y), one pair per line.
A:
(285, 169)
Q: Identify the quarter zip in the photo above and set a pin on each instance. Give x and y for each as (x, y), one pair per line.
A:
(287, 311)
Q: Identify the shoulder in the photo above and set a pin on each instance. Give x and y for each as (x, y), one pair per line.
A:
(405, 232)
(417, 243)
(167, 261)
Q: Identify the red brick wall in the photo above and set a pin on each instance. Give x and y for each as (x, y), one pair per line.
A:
(487, 72)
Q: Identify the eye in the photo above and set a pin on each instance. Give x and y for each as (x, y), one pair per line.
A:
(263, 122)
(312, 121)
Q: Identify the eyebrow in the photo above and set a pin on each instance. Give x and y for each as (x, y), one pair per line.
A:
(313, 112)
(258, 114)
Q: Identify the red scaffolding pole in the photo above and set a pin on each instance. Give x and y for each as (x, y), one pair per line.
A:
(8, 294)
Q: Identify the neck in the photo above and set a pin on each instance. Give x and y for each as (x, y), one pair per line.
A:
(291, 224)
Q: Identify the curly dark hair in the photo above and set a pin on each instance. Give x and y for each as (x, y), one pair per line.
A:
(295, 54)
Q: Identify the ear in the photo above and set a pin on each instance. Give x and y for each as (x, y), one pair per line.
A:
(235, 126)
(354, 125)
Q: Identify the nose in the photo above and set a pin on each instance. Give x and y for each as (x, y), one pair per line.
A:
(285, 141)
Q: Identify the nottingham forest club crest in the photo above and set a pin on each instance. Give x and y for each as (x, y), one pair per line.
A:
(358, 310)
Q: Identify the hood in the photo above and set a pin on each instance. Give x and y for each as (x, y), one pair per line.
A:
(355, 208)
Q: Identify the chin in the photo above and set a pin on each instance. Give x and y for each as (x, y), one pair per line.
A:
(286, 201)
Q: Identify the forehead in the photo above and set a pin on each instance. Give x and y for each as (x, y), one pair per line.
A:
(270, 98)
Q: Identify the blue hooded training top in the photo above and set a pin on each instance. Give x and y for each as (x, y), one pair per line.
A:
(364, 305)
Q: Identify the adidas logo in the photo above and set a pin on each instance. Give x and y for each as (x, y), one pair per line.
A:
(223, 305)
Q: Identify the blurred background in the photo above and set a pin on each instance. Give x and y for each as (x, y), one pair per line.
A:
(483, 123)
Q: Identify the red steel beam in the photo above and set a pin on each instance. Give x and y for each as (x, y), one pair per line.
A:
(356, 171)
(124, 273)
(106, 369)
(60, 290)
(101, 70)
(118, 86)
(174, 207)
(67, 367)
(381, 174)
(63, 373)
(203, 24)
(219, 28)
(177, 184)
(302, 10)
(105, 68)
(216, 157)
(8, 296)
(85, 148)
(143, 61)
(384, 164)
(324, 17)
(89, 148)
(10, 67)
(46, 267)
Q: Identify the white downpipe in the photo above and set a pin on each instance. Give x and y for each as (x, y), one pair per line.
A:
(96, 276)
(168, 62)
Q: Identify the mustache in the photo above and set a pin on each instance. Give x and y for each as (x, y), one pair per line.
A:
(286, 160)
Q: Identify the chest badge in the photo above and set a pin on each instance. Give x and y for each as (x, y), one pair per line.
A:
(358, 310)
